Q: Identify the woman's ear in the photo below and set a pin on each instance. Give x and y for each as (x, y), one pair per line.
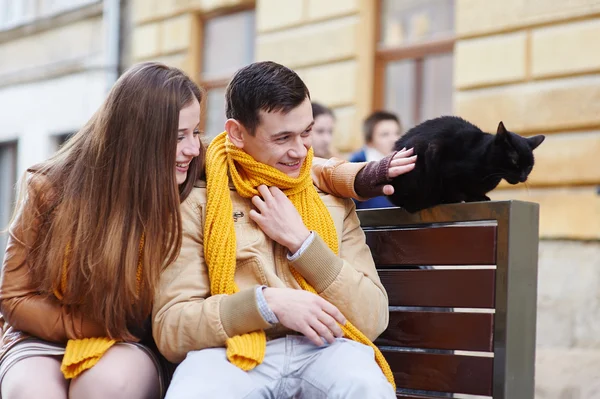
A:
(235, 132)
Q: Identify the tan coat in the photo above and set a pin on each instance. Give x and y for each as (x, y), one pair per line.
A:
(24, 311)
(186, 317)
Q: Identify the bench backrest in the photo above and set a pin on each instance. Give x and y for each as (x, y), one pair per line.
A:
(462, 286)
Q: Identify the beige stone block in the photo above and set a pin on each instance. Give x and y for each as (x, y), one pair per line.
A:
(561, 104)
(277, 14)
(490, 60)
(569, 213)
(311, 44)
(566, 49)
(176, 33)
(567, 374)
(476, 17)
(344, 134)
(568, 303)
(143, 10)
(146, 41)
(567, 159)
(211, 5)
(80, 41)
(319, 9)
(555, 322)
(332, 84)
(179, 60)
(167, 8)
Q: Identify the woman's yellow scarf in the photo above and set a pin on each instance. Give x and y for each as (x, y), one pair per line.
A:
(224, 159)
(83, 354)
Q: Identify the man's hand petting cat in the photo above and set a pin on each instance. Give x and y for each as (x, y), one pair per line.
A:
(402, 162)
(373, 179)
(278, 218)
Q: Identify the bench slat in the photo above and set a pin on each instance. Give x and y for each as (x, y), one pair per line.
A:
(448, 245)
(440, 288)
(441, 372)
(438, 330)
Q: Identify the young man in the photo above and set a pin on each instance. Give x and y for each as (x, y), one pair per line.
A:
(322, 131)
(271, 273)
(381, 130)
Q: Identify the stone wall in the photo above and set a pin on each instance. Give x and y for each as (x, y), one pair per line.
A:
(568, 327)
(536, 66)
(53, 76)
(327, 43)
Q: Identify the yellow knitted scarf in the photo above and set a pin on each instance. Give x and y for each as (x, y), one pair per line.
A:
(223, 159)
(83, 354)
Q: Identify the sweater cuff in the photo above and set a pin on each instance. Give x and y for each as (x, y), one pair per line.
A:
(370, 180)
(344, 177)
(318, 264)
(240, 314)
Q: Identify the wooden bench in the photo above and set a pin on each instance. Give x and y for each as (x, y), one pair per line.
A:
(467, 326)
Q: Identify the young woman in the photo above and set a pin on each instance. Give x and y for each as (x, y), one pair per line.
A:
(88, 239)
(92, 231)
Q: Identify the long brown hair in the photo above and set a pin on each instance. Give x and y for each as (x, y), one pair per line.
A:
(111, 184)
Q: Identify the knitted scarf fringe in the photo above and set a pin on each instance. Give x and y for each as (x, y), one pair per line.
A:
(83, 354)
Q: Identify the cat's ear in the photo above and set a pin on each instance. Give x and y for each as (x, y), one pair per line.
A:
(535, 141)
(501, 133)
(501, 128)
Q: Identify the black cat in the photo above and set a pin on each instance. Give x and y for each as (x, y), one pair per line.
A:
(456, 162)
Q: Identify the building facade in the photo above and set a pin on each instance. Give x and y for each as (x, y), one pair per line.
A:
(57, 61)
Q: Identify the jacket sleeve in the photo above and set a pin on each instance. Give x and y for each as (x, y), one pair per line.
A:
(336, 176)
(21, 304)
(185, 315)
(350, 280)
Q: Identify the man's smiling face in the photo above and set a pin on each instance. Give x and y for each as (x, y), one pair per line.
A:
(282, 140)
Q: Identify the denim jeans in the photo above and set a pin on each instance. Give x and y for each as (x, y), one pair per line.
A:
(293, 367)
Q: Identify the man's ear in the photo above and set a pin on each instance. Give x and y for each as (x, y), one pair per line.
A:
(235, 132)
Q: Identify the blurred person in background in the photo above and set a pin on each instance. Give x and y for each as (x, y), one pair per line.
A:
(322, 132)
(381, 130)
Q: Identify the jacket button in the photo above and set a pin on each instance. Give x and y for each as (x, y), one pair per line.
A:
(237, 214)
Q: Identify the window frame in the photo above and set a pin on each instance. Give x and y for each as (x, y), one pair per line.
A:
(416, 52)
(12, 196)
(197, 54)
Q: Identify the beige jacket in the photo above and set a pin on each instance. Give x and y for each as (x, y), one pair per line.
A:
(25, 311)
(186, 317)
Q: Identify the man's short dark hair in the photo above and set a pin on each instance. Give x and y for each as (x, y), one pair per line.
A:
(372, 121)
(320, 109)
(265, 86)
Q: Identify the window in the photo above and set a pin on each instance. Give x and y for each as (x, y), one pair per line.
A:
(61, 139)
(14, 13)
(228, 44)
(54, 7)
(8, 179)
(414, 59)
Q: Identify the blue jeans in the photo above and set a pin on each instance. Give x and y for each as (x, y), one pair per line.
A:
(293, 367)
